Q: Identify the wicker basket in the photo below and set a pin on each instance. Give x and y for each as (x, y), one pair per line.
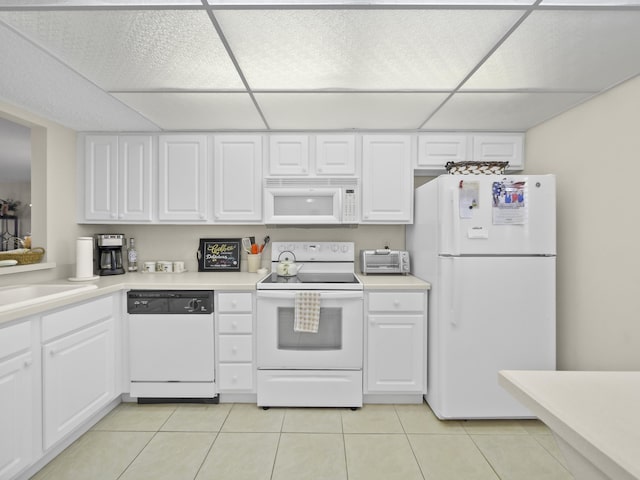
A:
(476, 168)
(31, 256)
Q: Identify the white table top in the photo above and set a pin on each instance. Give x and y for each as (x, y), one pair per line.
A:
(597, 413)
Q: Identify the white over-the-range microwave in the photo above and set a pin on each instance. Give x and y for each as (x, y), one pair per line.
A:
(311, 201)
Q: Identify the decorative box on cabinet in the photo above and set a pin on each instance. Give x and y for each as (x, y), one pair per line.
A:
(237, 178)
(236, 364)
(396, 343)
(79, 365)
(117, 178)
(182, 178)
(19, 399)
(387, 179)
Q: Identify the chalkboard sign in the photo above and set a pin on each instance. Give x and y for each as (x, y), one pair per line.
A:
(219, 254)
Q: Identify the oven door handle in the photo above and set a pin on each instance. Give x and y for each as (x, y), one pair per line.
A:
(290, 295)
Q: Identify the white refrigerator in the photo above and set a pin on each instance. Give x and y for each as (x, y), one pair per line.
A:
(487, 245)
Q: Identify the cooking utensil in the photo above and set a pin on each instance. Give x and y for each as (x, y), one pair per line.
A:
(266, 240)
(246, 244)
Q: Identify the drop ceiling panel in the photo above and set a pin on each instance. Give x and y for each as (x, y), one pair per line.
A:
(196, 111)
(501, 111)
(38, 83)
(361, 49)
(133, 50)
(347, 110)
(565, 49)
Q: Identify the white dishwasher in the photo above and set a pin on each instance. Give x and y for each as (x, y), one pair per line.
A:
(171, 345)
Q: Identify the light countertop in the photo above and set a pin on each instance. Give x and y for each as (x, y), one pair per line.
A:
(596, 414)
(221, 281)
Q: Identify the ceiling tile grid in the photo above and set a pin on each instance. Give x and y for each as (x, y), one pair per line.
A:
(314, 64)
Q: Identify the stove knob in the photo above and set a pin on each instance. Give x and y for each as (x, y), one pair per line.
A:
(335, 247)
(345, 248)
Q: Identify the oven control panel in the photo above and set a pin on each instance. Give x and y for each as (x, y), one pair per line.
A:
(315, 251)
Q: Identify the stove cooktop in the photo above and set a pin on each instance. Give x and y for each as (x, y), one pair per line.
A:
(312, 281)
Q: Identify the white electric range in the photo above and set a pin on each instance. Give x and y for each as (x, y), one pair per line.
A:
(300, 369)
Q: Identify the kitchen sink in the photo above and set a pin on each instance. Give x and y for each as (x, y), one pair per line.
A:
(26, 295)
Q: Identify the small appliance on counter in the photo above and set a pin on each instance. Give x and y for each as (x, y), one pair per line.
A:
(108, 258)
(384, 260)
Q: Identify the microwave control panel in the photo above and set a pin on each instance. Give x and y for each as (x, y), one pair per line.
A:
(349, 206)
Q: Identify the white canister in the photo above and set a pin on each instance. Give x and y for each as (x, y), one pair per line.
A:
(164, 266)
(178, 267)
(149, 267)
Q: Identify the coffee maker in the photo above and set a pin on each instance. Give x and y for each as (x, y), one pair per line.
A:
(108, 254)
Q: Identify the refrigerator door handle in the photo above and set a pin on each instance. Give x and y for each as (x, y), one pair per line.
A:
(457, 287)
(455, 221)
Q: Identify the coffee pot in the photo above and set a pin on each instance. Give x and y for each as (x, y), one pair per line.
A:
(108, 254)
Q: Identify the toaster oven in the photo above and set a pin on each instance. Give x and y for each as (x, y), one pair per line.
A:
(384, 261)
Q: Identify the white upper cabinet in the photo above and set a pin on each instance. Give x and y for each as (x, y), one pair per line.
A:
(118, 178)
(436, 149)
(336, 155)
(500, 148)
(288, 155)
(237, 178)
(387, 179)
(101, 177)
(134, 178)
(182, 178)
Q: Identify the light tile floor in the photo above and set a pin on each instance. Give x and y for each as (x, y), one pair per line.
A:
(244, 442)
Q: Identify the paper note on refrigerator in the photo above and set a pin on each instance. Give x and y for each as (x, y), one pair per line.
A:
(509, 203)
(469, 195)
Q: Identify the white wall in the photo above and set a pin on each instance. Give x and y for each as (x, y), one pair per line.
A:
(594, 150)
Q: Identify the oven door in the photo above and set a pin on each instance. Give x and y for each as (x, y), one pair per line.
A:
(302, 205)
(337, 345)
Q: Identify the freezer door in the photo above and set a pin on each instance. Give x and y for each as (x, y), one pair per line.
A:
(497, 215)
(493, 314)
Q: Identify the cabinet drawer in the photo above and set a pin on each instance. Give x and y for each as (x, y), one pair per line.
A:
(15, 338)
(396, 302)
(70, 319)
(235, 348)
(232, 323)
(235, 302)
(235, 376)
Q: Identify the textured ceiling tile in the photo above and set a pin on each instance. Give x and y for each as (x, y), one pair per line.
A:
(196, 111)
(36, 82)
(501, 111)
(565, 49)
(347, 110)
(133, 50)
(361, 49)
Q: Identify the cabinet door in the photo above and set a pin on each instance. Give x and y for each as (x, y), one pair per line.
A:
(335, 155)
(237, 178)
(78, 378)
(500, 148)
(395, 355)
(289, 155)
(134, 178)
(387, 179)
(435, 150)
(16, 414)
(182, 177)
(101, 177)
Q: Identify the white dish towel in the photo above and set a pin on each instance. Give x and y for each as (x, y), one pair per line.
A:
(307, 312)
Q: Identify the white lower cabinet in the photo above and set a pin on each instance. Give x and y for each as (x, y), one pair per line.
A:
(18, 399)
(235, 350)
(79, 366)
(396, 343)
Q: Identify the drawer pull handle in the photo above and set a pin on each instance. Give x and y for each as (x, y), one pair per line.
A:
(396, 303)
(28, 363)
(234, 349)
(234, 325)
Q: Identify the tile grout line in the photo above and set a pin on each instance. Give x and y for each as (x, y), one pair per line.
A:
(406, 436)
